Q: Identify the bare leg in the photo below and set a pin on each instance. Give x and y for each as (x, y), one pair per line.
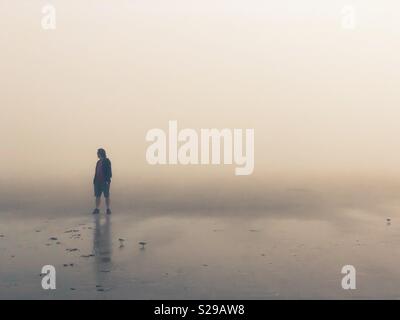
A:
(108, 202)
(97, 202)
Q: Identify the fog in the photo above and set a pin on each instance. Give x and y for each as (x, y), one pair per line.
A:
(322, 100)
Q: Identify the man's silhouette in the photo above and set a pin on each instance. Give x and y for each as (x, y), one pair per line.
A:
(102, 180)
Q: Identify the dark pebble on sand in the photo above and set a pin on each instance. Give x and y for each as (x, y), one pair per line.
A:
(68, 264)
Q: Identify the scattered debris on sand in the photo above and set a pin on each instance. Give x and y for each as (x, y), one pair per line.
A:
(68, 264)
(142, 243)
(71, 231)
(72, 250)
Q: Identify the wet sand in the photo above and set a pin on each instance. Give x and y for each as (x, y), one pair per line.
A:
(200, 257)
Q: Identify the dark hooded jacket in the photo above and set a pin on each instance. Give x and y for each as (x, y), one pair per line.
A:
(107, 172)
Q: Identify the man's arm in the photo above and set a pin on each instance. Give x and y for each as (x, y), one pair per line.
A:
(95, 171)
(109, 170)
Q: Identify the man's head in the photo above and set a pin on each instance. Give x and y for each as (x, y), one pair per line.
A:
(101, 153)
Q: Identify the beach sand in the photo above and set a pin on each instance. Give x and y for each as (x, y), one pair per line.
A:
(201, 256)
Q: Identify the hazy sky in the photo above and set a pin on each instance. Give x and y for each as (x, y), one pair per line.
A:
(322, 99)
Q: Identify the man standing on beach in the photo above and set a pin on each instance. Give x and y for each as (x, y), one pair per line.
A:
(102, 180)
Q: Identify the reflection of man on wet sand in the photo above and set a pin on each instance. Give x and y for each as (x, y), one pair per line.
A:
(102, 249)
